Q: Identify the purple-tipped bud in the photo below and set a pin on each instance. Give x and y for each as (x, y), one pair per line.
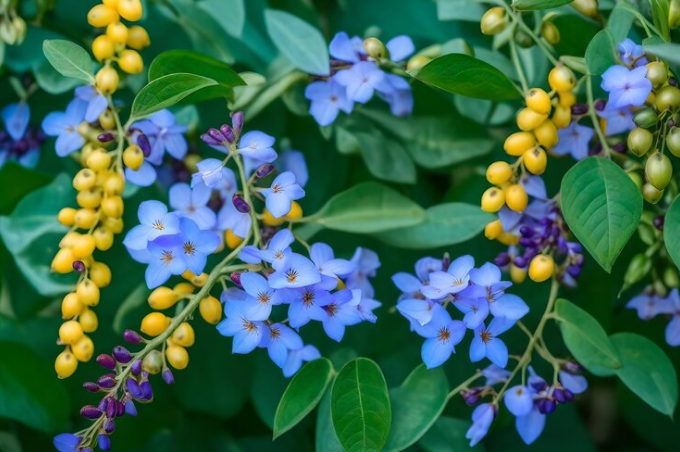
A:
(130, 408)
(600, 104)
(547, 406)
(574, 271)
(103, 403)
(240, 204)
(120, 408)
(106, 361)
(133, 388)
(620, 147)
(526, 231)
(558, 394)
(132, 337)
(471, 396)
(217, 135)
(573, 367)
(237, 120)
(228, 133)
(90, 412)
(520, 262)
(147, 390)
(92, 387)
(79, 266)
(168, 377)
(673, 81)
(107, 381)
(109, 426)
(111, 409)
(568, 395)
(106, 137)
(104, 442)
(121, 354)
(502, 259)
(658, 222)
(144, 144)
(136, 368)
(525, 241)
(446, 261)
(579, 109)
(236, 279)
(264, 170)
(209, 140)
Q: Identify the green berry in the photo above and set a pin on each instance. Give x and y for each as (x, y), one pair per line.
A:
(659, 170)
(673, 141)
(640, 141)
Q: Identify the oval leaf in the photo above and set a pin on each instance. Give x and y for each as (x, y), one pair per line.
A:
(69, 59)
(533, 5)
(326, 439)
(602, 206)
(647, 371)
(298, 41)
(369, 208)
(445, 224)
(416, 405)
(448, 434)
(671, 231)
(360, 406)
(166, 91)
(466, 75)
(302, 394)
(586, 339)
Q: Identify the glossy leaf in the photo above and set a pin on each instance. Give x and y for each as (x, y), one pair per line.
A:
(533, 5)
(600, 54)
(668, 51)
(647, 371)
(50, 80)
(166, 91)
(386, 159)
(69, 59)
(298, 41)
(671, 231)
(302, 394)
(444, 225)
(416, 405)
(466, 75)
(586, 339)
(326, 439)
(447, 435)
(602, 206)
(368, 208)
(230, 14)
(360, 407)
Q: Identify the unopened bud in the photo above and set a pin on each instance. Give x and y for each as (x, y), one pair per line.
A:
(122, 355)
(228, 133)
(240, 204)
(236, 279)
(90, 412)
(106, 361)
(168, 377)
(144, 144)
(375, 48)
(106, 137)
(132, 337)
(264, 170)
(237, 120)
(494, 21)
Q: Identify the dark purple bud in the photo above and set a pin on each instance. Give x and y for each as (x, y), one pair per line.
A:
(240, 204)
(579, 109)
(130, 408)
(145, 375)
(144, 144)
(525, 241)
(568, 395)
(136, 368)
(559, 395)
(600, 104)
(133, 388)
(104, 442)
(670, 123)
(574, 271)
(673, 81)
(106, 137)
(236, 279)
(502, 259)
(168, 377)
(90, 412)
(539, 386)
(471, 396)
(109, 426)
(79, 266)
(620, 147)
(547, 406)
(132, 337)
(107, 381)
(120, 408)
(210, 140)
(237, 120)
(147, 390)
(520, 262)
(103, 403)
(111, 409)
(526, 231)
(228, 133)
(217, 135)
(121, 354)
(446, 261)
(572, 367)
(92, 387)
(106, 361)
(658, 222)
(264, 170)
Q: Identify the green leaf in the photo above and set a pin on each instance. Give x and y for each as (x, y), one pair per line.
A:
(660, 10)
(444, 225)
(166, 91)
(464, 10)
(466, 75)
(326, 439)
(386, 159)
(298, 41)
(28, 391)
(602, 206)
(360, 406)
(32, 234)
(601, 53)
(230, 14)
(368, 208)
(16, 182)
(416, 405)
(533, 5)
(647, 371)
(448, 435)
(52, 81)
(586, 339)
(668, 51)
(190, 62)
(69, 59)
(671, 231)
(302, 394)
(205, 33)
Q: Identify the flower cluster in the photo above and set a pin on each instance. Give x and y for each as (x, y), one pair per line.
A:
(358, 73)
(475, 292)
(650, 304)
(19, 142)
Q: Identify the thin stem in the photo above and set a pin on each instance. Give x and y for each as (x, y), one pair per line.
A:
(518, 66)
(593, 116)
(464, 385)
(248, 199)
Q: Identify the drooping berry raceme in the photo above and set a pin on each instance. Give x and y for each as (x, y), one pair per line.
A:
(19, 142)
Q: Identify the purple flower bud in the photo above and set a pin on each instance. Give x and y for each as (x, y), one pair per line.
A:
(106, 361)
(121, 354)
(446, 261)
(103, 403)
(579, 109)
(600, 104)
(236, 279)
(217, 135)
(79, 266)
(526, 231)
(264, 170)
(240, 204)
(92, 387)
(104, 442)
(237, 120)
(168, 377)
(109, 426)
(147, 390)
(90, 412)
(144, 145)
(520, 262)
(620, 147)
(659, 222)
(210, 140)
(471, 396)
(502, 259)
(136, 368)
(547, 406)
(130, 408)
(568, 395)
(106, 137)
(107, 381)
(132, 337)
(133, 388)
(559, 395)
(111, 409)
(673, 81)
(525, 241)
(120, 408)
(228, 133)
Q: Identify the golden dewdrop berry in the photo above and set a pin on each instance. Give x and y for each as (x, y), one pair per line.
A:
(546, 134)
(153, 362)
(107, 120)
(184, 335)
(183, 288)
(163, 298)
(196, 280)
(516, 197)
(103, 48)
(67, 216)
(85, 218)
(83, 349)
(89, 199)
(673, 141)
(155, 323)
(70, 332)
(493, 199)
(657, 73)
(103, 238)
(498, 173)
(83, 246)
(538, 100)
(130, 9)
(101, 15)
(517, 274)
(541, 268)
(99, 160)
(211, 310)
(640, 141)
(114, 184)
(561, 78)
(375, 48)
(493, 21)
(84, 179)
(107, 80)
(71, 306)
(100, 274)
(416, 62)
(177, 356)
(507, 238)
(65, 364)
(550, 32)
(232, 240)
(493, 230)
(295, 212)
(113, 207)
(528, 119)
(561, 117)
(133, 157)
(118, 33)
(518, 143)
(114, 224)
(88, 293)
(535, 161)
(269, 220)
(567, 99)
(130, 61)
(63, 261)
(138, 38)
(88, 321)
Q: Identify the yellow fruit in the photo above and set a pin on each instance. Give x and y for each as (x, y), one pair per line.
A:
(103, 238)
(163, 298)
(541, 268)
(83, 349)
(114, 184)
(184, 335)
(546, 134)
(112, 206)
(138, 38)
(86, 218)
(196, 280)
(107, 80)
(68, 240)
(561, 78)
(101, 15)
(183, 288)
(535, 161)
(63, 261)
(416, 62)
(107, 120)
(130, 61)
(88, 321)
(84, 179)
(70, 332)
(528, 119)
(518, 143)
(71, 306)
(114, 224)
(538, 100)
(88, 293)
(508, 239)
(99, 160)
(130, 9)
(83, 246)
(499, 173)
(295, 212)
(493, 199)
(111, 3)
(232, 239)
(517, 274)
(516, 197)
(493, 230)
(269, 220)
(100, 274)
(117, 32)
(210, 309)
(103, 47)
(67, 216)
(65, 364)
(567, 99)
(89, 199)
(561, 117)
(133, 157)
(155, 323)
(177, 357)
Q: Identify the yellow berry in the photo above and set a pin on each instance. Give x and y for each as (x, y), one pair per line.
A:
(133, 157)
(86, 218)
(516, 197)
(99, 160)
(498, 173)
(63, 261)
(535, 161)
(177, 357)
(70, 332)
(528, 119)
(517, 274)
(163, 298)
(111, 3)
(518, 143)
(210, 309)
(118, 33)
(269, 220)
(184, 335)
(114, 184)
(88, 321)
(83, 349)
(89, 199)
(112, 206)
(88, 293)
(196, 280)
(561, 78)
(102, 15)
(100, 274)
(153, 362)
(71, 306)
(493, 230)
(130, 9)
(493, 199)
(541, 268)
(65, 364)
(83, 246)
(538, 100)
(130, 61)
(508, 238)
(232, 239)
(68, 240)
(416, 62)
(103, 238)
(114, 224)
(67, 216)
(107, 120)
(546, 134)
(561, 117)
(184, 288)
(84, 179)
(138, 38)
(103, 47)
(155, 323)
(107, 80)
(295, 212)
(567, 99)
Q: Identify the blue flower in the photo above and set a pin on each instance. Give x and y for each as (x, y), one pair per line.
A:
(400, 48)
(193, 204)
(576, 384)
(630, 53)
(574, 140)
(64, 126)
(327, 98)
(365, 262)
(330, 268)
(673, 327)
(261, 297)
(296, 271)
(283, 192)
(275, 253)
(66, 442)
(165, 135)
(258, 145)
(19, 143)
(344, 48)
(619, 120)
(294, 161)
(340, 311)
(482, 418)
(155, 221)
(531, 425)
(649, 305)
(361, 81)
(397, 92)
(442, 335)
(306, 304)
(210, 173)
(626, 87)
(366, 307)
(495, 375)
(519, 400)
(417, 311)
(452, 281)
(247, 331)
(486, 343)
(196, 245)
(279, 341)
(165, 260)
(96, 102)
(230, 218)
(297, 357)
(410, 285)
(144, 176)
(16, 117)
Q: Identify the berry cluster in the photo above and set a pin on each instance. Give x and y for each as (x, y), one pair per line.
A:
(19, 142)
(12, 25)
